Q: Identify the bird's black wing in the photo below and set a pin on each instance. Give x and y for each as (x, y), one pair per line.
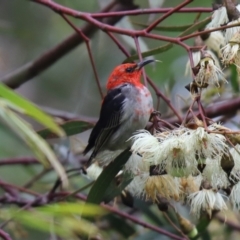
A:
(108, 122)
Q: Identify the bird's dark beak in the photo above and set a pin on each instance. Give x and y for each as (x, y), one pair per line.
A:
(144, 62)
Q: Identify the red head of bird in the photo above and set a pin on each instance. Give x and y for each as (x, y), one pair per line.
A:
(127, 73)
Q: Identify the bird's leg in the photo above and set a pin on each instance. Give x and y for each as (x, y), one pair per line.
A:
(154, 114)
(154, 118)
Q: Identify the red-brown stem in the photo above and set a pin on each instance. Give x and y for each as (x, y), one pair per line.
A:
(140, 58)
(168, 102)
(208, 31)
(120, 46)
(4, 235)
(21, 189)
(19, 160)
(170, 12)
(188, 112)
(86, 40)
(202, 113)
(150, 11)
(104, 27)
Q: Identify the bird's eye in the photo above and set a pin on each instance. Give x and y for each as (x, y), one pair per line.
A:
(129, 69)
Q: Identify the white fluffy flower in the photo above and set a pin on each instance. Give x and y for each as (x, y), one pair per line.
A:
(230, 32)
(208, 73)
(230, 52)
(140, 172)
(235, 196)
(163, 185)
(235, 173)
(219, 17)
(190, 185)
(146, 145)
(207, 145)
(214, 174)
(197, 58)
(178, 152)
(137, 185)
(215, 41)
(206, 200)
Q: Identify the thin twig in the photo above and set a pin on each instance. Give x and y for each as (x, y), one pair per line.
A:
(19, 161)
(129, 217)
(4, 235)
(140, 58)
(21, 189)
(167, 14)
(36, 178)
(174, 225)
(86, 40)
(35, 67)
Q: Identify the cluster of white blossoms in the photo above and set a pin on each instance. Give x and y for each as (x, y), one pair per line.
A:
(188, 165)
(221, 45)
(218, 41)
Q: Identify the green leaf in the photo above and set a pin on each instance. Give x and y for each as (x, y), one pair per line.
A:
(196, 26)
(151, 52)
(98, 190)
(38, 145)
(166, 28)
(70, 128)
(112, 191)
(35, 220)
(202, 227)
(234, 78)
(30, 109)
(73, 208)
(64, 219)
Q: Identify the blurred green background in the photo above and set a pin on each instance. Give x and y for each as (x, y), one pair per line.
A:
(27, 30)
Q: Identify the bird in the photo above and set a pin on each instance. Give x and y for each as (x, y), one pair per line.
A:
(126, 108)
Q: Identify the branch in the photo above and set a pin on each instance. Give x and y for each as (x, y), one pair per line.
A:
(4, 235)
(33, 68)
(169, 13)
(19, 161)
(150, 11)
(128, 217)
(86, 40)
(218, 109)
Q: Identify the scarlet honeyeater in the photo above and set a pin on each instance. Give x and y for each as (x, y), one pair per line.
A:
(125, 109)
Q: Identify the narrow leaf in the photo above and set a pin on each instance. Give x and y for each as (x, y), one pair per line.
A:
(166, 28)
(73, 208)
(38, 145)
(234, 78)
(70, 128)
(151, 52)
(30, 109)
(196, 26)
(98, 190)
(112, 191)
